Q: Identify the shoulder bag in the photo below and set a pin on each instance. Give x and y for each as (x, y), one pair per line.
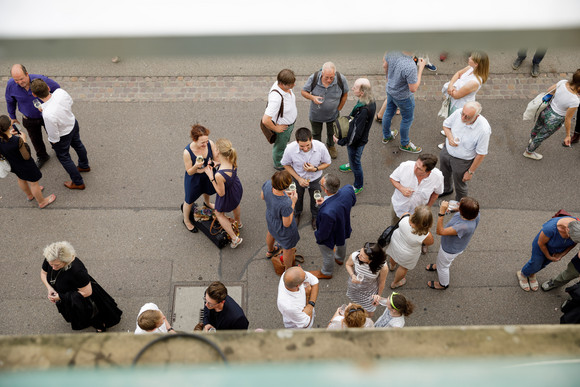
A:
(385, 237)
(268, 133)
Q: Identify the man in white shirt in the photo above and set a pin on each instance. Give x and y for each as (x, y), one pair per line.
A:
(63, 130)
(297, 294)
(305, 159)
(416, 183)
(281, 113)
(465, 148)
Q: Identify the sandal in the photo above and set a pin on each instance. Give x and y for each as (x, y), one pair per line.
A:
(272, 253)
(31, 198)
(236, 243)
(299, 258)
(534, 285)
(431, 284)
(391, 267)
(51, 199)
(523, 281)
(399, 284)
(431, 267)
(378, 119)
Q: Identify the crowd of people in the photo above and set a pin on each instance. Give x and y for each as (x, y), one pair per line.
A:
(211, 168)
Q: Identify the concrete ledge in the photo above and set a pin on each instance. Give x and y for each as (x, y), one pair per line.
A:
(119, 349)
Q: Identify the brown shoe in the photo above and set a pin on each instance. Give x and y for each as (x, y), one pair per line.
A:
(575, 138)
(338, 262)
(87, 169)
(333, 152)
(71, 185)
(318, 274)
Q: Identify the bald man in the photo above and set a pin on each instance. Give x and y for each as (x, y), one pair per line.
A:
(297, 294)
(459, 163)
(18, 94)
(327, 93)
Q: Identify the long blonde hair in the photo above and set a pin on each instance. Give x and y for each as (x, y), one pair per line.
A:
(224, 147)
(482, 69)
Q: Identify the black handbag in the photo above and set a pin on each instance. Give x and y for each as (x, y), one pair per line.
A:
(385, 237)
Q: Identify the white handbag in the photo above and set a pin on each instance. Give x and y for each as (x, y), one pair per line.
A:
(444, 111)
(536, 106)
(4, 167)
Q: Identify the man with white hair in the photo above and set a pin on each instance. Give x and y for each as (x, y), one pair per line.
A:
(465, 148)
(328, 90)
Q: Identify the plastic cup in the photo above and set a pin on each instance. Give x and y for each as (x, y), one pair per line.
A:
(383, 301)
(453, 205)
(360, 277)
(199, 159)
(292, 187)
(37, 104)
(317, 195)
(457, 140)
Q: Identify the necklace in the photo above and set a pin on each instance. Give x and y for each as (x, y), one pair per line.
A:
(53, 280)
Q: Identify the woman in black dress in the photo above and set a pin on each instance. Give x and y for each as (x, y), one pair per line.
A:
(14, 148)
(78, 297)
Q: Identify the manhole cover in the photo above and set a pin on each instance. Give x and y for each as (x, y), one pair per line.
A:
(188, 303)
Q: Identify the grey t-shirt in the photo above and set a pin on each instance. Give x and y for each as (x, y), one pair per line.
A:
(328, 110)
(278, 207)
(455, 244)
(402, 71)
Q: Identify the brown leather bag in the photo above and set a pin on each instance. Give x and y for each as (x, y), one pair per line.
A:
(278, 262)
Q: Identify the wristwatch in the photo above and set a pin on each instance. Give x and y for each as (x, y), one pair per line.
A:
(441, 215)
(312, 303)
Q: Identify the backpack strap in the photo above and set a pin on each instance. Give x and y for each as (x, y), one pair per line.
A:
(338, 80)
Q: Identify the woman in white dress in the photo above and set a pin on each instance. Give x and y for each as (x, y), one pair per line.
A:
(405, 247)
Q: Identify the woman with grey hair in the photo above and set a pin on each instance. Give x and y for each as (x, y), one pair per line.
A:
(358, 131)
(78, 297)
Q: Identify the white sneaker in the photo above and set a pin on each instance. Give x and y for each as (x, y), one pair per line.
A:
(440, 146)
(443, 133)
(533, 155)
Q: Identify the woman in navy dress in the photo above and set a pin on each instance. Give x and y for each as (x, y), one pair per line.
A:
(15, 150)
(227, 186)
(196, 181)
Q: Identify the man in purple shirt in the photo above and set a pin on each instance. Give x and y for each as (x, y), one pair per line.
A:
(18, 93)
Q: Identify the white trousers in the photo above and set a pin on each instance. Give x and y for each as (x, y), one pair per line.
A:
(444, 261)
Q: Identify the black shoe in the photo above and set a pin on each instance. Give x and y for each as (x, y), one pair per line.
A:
(41, 161)
(279, 168)
(446, 193)
(517, 63)
(535, 70)
(297, 218)
(314, 224)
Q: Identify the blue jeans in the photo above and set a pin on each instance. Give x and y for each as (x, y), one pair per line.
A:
(62, 147)
(407, 108)
(354, 156)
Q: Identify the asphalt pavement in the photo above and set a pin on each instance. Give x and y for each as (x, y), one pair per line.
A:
(127, 228)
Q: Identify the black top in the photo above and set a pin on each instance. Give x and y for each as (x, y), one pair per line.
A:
(360, 125)
(18, 155)
(231, 316)
(74, 278)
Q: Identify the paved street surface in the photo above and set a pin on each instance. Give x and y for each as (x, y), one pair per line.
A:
(127, 228)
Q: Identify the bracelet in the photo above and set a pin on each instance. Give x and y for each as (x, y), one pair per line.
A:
(316, 169)
(171, 329)
(469, 171)
(441, 215)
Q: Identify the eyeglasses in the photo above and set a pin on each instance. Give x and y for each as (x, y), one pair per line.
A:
(209, 304)
(466, 116)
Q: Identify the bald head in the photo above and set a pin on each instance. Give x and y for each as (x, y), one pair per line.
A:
(293, 277)
(20, 76)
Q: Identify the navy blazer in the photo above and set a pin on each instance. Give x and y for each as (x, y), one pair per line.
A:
(333, 220)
